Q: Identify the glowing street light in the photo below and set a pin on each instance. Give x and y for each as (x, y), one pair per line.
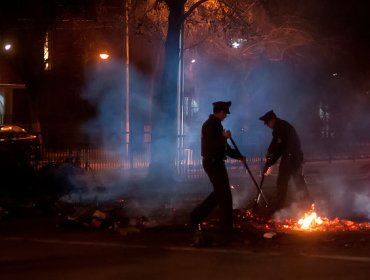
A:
(7, 47)
(104, 56)
(236, 45)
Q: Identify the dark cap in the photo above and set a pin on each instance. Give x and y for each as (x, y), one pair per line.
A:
(268, 116)
(222, 105)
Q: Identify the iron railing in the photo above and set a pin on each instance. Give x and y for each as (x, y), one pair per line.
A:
(187, 165)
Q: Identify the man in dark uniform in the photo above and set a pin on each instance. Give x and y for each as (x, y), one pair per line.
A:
(286, 145)
(214, 149)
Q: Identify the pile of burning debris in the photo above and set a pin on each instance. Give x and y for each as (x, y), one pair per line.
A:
(113, 215)
(310, 222)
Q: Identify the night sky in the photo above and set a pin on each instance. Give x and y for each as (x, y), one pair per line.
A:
(349, 19)
(341, 29)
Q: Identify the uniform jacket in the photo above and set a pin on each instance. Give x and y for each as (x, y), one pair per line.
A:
(285, 144)
(214, 144)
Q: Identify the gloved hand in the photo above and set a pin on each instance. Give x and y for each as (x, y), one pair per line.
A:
(265, 169)
(243, 159)
(226, 133)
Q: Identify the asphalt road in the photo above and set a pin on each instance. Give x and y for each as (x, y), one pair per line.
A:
(42, 251)
(58, 259)
(33, 247)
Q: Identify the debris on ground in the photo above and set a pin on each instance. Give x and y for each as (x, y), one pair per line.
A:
(109, 215)
(269, 234)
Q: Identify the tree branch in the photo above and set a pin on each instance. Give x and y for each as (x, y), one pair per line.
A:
(192, 8)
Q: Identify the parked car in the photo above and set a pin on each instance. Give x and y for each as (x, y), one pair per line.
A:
(17, 144)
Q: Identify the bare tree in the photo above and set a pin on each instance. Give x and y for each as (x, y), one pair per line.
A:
(164, 136)
(218, 24)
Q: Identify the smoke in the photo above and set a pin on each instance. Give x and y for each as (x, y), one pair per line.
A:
(254, 91)
(347, 196)
(327, 111)
(106, 91)
(293, 94)
(339, 190)
(362, 203)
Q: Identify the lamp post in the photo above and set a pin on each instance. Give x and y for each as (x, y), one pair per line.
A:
(180, 94)
(127, 76)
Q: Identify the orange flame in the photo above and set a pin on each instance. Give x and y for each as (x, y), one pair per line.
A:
(310, 219)
(310, 222)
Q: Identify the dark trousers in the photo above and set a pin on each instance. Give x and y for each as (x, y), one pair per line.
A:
(286, 172)
(221, 196)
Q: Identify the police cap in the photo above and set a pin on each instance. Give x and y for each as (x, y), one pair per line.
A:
(268, 116)
(222, 105)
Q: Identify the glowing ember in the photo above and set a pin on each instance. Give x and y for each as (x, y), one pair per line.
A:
(310, 222)
(310, 219)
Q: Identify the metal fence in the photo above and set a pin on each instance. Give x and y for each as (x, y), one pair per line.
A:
(187, 164)
(92, 158)
(100, 160)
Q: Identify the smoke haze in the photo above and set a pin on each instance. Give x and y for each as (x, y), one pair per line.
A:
(293, 94)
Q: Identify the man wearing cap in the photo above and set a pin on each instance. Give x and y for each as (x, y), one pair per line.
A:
(286, 145)
(214, 148)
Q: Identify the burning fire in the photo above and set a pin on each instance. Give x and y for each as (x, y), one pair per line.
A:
(312, 222)
(310, 219)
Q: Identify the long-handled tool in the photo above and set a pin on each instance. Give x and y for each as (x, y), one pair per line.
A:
(250, 173)
(259, 193)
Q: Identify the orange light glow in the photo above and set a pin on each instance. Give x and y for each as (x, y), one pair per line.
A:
(7, 47)
(104, 56)
(311, 222)
(310, 219)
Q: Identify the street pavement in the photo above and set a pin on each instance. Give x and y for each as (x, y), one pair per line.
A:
(40, 250)
(35, 245)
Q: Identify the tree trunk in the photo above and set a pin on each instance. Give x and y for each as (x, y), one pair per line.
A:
(164, 132)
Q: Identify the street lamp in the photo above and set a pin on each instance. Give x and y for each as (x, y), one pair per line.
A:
(237, 43)
(104, 55)
(7, 47)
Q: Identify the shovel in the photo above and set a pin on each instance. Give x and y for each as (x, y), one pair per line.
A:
(260, 193)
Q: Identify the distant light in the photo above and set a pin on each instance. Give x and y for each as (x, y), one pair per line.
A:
(5, 128)
(193, 61)
(235, 45)
(7, 47)
(104, 56)
(335, 74)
